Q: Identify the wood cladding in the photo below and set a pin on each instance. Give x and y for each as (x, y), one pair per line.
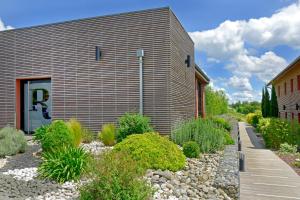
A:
(288, 92)
(98, 92)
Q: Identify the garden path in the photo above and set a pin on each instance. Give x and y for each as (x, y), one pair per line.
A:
(266, 175)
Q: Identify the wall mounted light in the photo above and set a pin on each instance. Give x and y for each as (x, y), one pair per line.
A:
(188, 61)
(98, 53)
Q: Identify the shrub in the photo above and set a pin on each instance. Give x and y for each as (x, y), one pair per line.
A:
(116, 176)
(297, 163)
(262, 124)
(87, 135)
(76, 130)
(40, 132)
(133, 124)
(221, 122)
(12, 141)
(191, 149)
(279, 131)
(57, 136)
(253, 118)
(209, 137)
(107, 134)
(286, 148)
(152, 151)
(63, 165)
(228, 139)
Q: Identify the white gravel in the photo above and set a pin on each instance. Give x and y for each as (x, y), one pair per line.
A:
(2, 162)
(26, 174)
(95, 147)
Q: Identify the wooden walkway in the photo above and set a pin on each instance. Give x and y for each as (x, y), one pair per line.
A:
(266, 176)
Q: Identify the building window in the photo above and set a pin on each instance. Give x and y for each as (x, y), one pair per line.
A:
(278, 90)
(292, 116)
(299, 117)
(292, 85)
(298, 80)
(284, 88)
(286, 115)
(279, 114)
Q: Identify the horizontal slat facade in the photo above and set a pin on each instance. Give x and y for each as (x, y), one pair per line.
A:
(95, 92)
(290, 99)
(182, 78)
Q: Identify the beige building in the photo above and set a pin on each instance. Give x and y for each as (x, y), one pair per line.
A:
(287, 85)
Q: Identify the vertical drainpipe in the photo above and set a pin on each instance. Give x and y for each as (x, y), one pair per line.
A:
(140, 55)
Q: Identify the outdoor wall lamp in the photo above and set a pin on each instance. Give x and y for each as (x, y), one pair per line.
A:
(98, 53)
(140, 55)
(188, 61)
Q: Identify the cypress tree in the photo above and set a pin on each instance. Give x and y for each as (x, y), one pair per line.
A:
(273, 104)
(267, 102)
(263, 112)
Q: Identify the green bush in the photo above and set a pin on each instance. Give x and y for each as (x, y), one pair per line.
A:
(262, 124)
(116, 176)
(191, 149)
(40, 132)
(133, 124)
(253, 118)
(209, 137)
(76, 130)
(12, 141)
(57, 136)
(221, 122)
(228, 139)
(66, 164)
(152, 151)
(107, 134)
(87, 135)
(278, 131)
(286, 148)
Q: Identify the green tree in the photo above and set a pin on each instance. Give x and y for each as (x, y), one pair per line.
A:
(263, 111)
(273, 103)
(216, 102)
(267, 102)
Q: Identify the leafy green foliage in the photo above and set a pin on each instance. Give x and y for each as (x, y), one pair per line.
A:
(253, 118)
(191, 149)
(107, 134)
(66, 164)
(228, 139)
(209, 137)
(246, 107)
(12, 141)
(273, 103)
(116, 176)
(152, 151)
(40, 132)
(266, 103)
(286, 148)
(76, 130)
(216, 102)
(133, 124)
(221, 122)
(57, 136)
(278, 131)
(297, 163)
(262, 124)
(87, 135)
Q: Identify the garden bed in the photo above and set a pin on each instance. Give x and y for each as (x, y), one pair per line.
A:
(290, 159)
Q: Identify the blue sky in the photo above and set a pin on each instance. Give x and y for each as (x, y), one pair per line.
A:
(239, 44)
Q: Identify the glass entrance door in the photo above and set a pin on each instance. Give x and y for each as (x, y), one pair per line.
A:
(37, 104)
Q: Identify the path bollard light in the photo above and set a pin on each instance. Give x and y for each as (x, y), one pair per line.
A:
(239, 138)
(242, 161)
(240, 145)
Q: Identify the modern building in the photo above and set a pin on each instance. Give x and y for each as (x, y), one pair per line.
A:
(96, 69)
(287, 87)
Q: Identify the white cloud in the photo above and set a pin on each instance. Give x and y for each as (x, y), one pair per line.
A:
(240, 83)
(3, 27)
(229, 41)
